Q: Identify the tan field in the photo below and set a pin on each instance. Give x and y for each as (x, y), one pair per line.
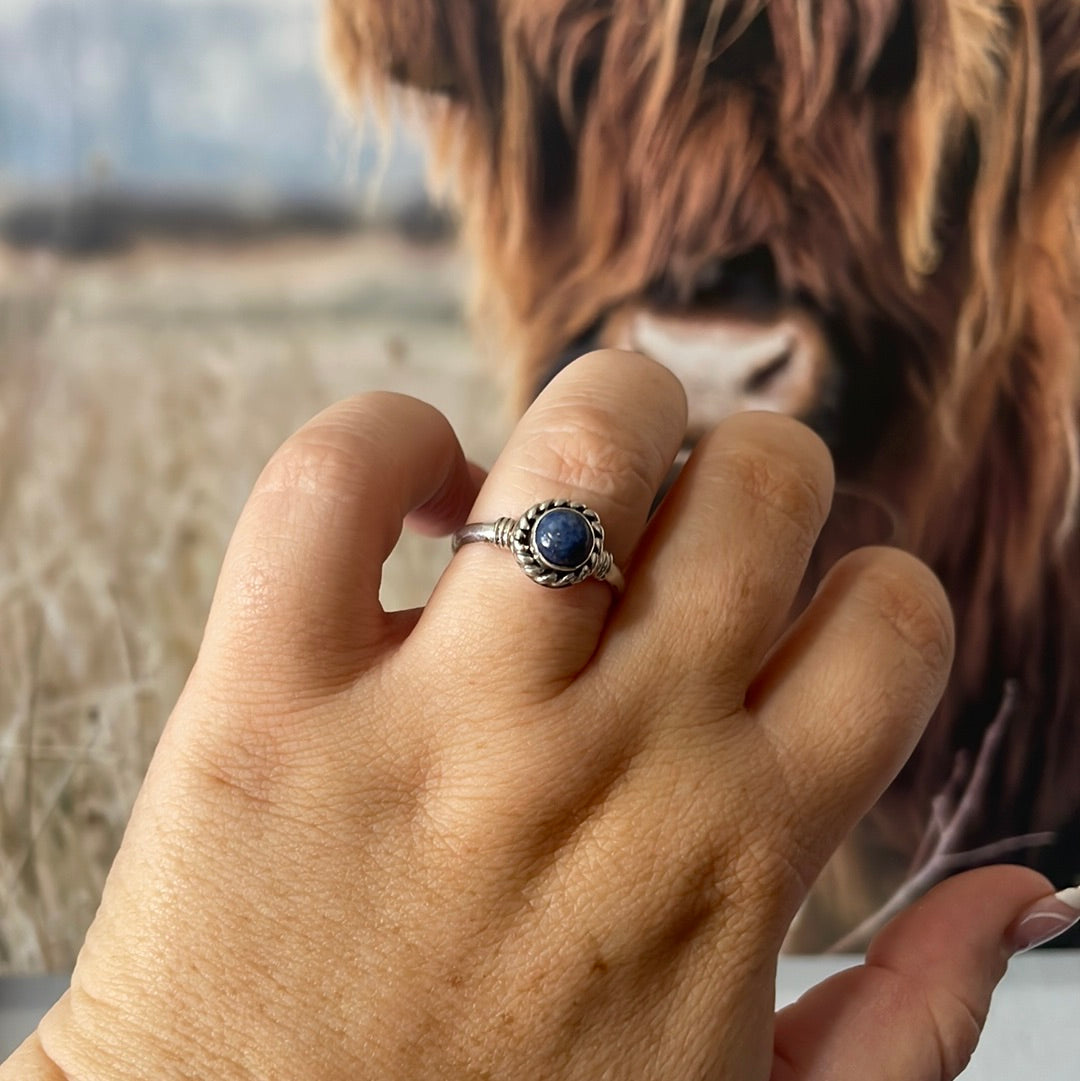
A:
(139, 397)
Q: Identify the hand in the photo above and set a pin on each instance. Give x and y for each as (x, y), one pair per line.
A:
(525, 833)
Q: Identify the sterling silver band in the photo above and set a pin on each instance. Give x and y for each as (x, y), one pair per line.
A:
(556, 543)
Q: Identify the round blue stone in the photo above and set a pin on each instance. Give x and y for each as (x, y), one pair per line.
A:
(563, 539)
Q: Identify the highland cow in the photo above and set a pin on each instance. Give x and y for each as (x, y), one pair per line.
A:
(865, 213)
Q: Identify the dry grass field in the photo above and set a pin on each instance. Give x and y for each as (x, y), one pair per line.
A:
(139, 397)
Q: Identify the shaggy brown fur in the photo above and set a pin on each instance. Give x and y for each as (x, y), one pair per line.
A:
(912, 166)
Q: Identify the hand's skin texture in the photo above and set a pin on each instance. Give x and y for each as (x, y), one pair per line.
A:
(528, 834)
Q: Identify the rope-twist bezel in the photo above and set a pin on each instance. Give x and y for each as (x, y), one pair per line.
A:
(523, 545)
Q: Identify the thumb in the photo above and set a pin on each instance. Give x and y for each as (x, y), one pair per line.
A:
(915, 1009)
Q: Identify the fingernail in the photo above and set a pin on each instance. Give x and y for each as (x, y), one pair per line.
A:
(1044, 921)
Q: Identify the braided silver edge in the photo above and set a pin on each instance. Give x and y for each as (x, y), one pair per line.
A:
(523, 545)
(518, 536)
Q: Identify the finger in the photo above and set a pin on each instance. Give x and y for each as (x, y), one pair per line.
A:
(916, 1008)
(447, 509)
(846, 694)
(603, 433)
(722, 562)
(299, 588)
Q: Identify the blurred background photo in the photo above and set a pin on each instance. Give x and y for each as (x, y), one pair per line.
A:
(199, 250)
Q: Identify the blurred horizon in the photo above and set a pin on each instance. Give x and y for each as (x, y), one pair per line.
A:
(191, 100)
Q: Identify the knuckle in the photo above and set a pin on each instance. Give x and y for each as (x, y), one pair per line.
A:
(909, 599)
(777, 481)
(957, 1027)
(661, 387)
(321, 459)
(242, 755)
(948, 1025)
(584, 448)
(345, 448)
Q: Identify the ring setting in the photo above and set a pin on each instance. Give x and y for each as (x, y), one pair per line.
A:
(557, 543)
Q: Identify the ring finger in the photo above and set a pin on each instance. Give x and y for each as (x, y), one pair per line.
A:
(604, 434)
(724, 558)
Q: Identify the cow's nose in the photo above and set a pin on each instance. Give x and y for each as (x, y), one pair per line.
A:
(729, 364)
(761, 379)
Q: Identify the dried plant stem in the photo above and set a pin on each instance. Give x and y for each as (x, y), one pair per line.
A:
(938, 854)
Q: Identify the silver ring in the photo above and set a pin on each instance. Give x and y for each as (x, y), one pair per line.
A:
(556, 543)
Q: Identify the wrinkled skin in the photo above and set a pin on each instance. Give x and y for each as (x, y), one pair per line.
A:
(530, 834)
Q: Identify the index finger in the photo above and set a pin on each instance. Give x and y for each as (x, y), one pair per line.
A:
(298, 595)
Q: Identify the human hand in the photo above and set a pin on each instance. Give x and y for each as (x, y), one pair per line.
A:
(530, 833)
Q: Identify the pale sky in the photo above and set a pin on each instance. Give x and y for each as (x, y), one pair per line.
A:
(181, 93)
